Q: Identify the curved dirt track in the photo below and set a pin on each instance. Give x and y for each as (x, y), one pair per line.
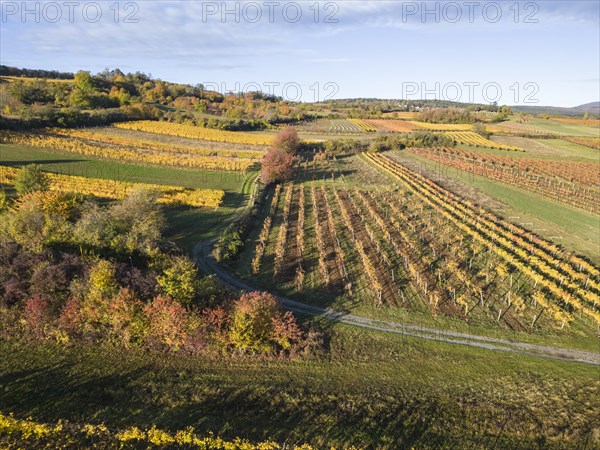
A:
(205, 261)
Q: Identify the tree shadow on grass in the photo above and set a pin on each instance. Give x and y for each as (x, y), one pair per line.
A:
(40, 162)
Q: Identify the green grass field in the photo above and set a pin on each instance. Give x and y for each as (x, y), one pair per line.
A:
(572, 130)
(370, 389)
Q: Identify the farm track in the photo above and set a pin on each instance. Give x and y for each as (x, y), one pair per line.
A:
(205, 261)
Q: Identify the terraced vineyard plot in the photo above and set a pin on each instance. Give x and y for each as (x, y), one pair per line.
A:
(397, 126)
(194, 132)
(421, 248)
(590, 142)
(563, 287)
(576, 121)
(343, 126)
(108, 136)
(443, 126)
(522, 129)
(171, 195)
(471, 138)
(574, 183)
(403, 115)
(123, 149)
(364, 125)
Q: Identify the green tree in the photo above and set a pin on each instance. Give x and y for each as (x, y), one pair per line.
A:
(179, 280)
(137, 221)
(480, 129)
(31, 179)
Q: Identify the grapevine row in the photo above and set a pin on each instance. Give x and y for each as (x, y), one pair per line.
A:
(263, 237)
(320, 237)
(113, 189)
(80, 147)
(194, 132)
(509, 247)
(367, 264)
(283, 230)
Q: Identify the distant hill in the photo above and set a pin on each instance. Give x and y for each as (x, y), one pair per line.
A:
(592, 108)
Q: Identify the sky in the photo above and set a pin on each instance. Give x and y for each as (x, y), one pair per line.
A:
(528, 53)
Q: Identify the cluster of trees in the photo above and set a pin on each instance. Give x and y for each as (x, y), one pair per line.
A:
(384, 143)
(279, 161)
(34, 73)
(54, 93)
(365, 108)
(74, 270)
(446, 115)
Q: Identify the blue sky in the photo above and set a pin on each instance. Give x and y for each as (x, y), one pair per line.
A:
(549, 53)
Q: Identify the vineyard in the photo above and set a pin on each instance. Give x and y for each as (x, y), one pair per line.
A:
(102, 136)
(365, 125)
(23, 433)
(343, 126)
(522, 129)
(123, 149)
(590, 142)
(575, 121)
(442, 126)
(421, 248)
(194, 132)
(395, 126)
(571, 182)
(474, 139)
(112, 189)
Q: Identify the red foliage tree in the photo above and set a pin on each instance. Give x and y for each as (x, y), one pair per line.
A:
(258, 324)
(277, 165)
(70, 317)
(36, 314)
(287, 140)
(168, 322)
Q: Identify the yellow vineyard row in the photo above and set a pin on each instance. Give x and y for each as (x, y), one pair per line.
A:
(194, 132)
(98, 135)
(171, 195)
(471, 138)
(442, 126)
(62, 143)
(24, 433)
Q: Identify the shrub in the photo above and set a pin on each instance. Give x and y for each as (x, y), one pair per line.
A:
(31, 179)
(179, 280)
(168, 323)
(277, 165)
(36, 315)
(258, 325)
(127, 324)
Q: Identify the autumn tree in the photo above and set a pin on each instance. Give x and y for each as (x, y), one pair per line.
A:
(258, 324)
(287, 140)
(277, 165)
(168, 323)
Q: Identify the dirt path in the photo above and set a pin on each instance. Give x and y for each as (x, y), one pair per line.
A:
(202, 253)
